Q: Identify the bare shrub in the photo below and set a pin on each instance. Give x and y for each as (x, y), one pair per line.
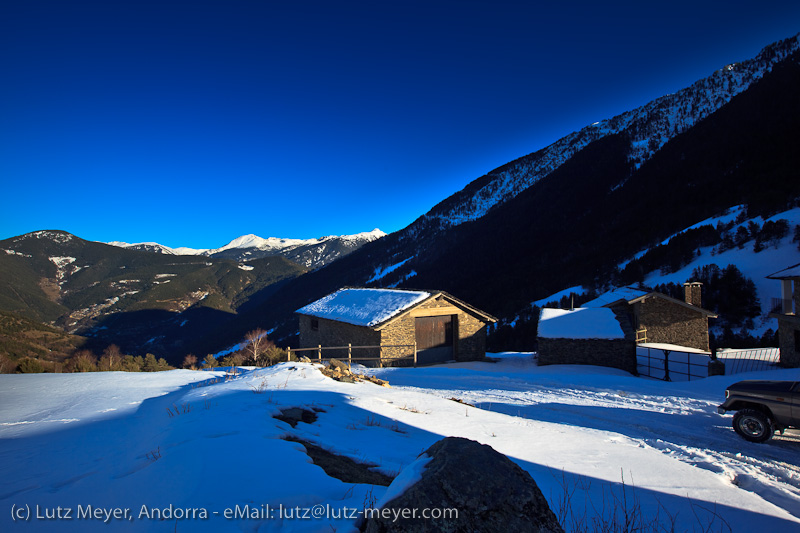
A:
(234, 359)
(261, 351)
(6, 364)
(31, 366)
(82, 361)
(190, 362)
(111, 359)
(256, 341)
(182, 410)
(154, 455)
(261, 388)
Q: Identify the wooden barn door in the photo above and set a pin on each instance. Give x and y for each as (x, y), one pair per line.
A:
(434, 339)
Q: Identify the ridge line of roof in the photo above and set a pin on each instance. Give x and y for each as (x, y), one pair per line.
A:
(428, 295)
(673, 300)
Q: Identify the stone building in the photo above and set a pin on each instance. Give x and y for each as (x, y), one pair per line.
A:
(395, 322)
(655, 318)
(585, 336)
(788, 320)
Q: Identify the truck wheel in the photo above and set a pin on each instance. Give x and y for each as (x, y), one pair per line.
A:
(752, 425)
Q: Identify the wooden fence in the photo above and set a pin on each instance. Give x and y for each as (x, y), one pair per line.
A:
(319, 349)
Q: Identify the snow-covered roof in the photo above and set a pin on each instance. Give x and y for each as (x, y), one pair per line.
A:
(623, 293)
(363, 307)
(581, 323)
(787, 273)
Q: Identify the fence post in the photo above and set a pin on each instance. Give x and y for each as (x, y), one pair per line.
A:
(380, 356)
(716, 368)
(688, 366)
(666, 365)
(319, 353)
(288, 354)
(349, 355)
(415, 354)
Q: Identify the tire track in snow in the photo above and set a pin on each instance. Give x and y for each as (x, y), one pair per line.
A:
(686, 429)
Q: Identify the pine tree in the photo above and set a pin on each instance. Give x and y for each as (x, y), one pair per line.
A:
(211, 362)
(150, 363)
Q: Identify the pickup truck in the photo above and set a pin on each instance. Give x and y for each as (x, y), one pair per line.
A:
(762, 407)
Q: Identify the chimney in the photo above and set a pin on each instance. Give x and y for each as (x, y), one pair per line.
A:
(693, 293)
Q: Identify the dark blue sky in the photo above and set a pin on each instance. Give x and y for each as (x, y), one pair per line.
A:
(191, 123)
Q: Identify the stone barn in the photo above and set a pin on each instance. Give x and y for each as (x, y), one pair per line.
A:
(585, 336)
(786, 314)
(657, 318)
(395, 321)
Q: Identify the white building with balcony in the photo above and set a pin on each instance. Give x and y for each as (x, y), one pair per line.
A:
(788, 319)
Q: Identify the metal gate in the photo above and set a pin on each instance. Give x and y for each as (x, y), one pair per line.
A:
(434, 339)
(749, 360)
(670, 364)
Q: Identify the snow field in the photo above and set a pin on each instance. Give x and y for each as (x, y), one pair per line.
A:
(218, 446)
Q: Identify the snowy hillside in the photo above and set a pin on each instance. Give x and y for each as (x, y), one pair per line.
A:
(754, 265)
(649, 128)
(161, 443)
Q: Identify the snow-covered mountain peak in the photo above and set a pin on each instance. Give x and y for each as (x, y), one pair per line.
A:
(145, 246)
(253, 241)
(312, 253)
(51, 235)
(366, 235)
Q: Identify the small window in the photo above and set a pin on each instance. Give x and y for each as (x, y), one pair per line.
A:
(314, 324)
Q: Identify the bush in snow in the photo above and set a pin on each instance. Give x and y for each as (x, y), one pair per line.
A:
(30, 366)
(151, 364)
(132, 364)
(210, 362)
(6, 364)
(234, 359)
(274, 355)
(82, 361)
(190, 362)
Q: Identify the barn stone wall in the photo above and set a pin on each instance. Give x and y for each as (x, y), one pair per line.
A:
(333, 333)
(470, 333)
(614, 353)
(668, 322)
(400, 331)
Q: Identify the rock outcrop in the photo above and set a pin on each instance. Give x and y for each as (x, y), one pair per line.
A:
(341, 372)
(490, 492)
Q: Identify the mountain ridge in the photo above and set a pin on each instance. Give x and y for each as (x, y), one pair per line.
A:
(652, 125)
(140, 300)
(311, 253)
